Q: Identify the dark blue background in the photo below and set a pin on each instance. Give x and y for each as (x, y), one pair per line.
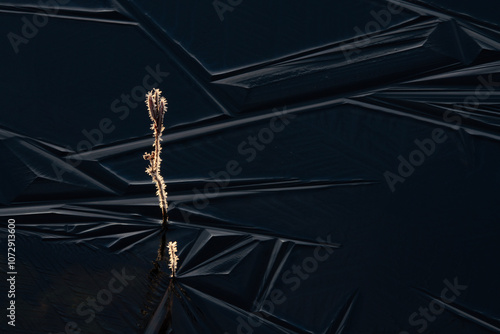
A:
(356, 100)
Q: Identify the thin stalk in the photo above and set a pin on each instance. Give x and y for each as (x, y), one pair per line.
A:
(157, 107)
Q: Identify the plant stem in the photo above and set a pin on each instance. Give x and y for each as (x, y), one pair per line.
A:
(157, 106)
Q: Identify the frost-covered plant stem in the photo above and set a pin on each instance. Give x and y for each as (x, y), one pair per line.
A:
(172, 252)
(157, 106)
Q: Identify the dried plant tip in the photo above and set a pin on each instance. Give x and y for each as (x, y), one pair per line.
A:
(172, 252)
(157, 107)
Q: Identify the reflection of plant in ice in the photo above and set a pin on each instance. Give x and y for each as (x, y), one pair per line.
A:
(157, 107)
(172, 252)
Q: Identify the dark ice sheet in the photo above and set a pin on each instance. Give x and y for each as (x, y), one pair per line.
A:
(352, 103)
